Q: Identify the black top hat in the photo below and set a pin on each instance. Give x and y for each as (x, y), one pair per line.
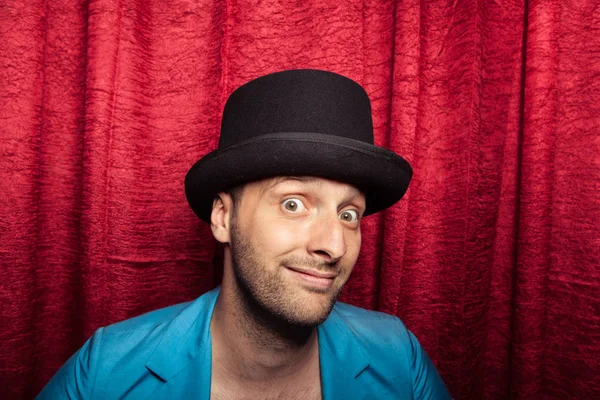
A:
(298, 123)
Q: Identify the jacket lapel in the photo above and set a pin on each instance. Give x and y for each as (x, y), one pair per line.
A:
(182, 359)
(342, 358)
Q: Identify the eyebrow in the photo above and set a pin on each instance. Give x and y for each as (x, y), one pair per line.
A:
(307, 179)
(304, 179)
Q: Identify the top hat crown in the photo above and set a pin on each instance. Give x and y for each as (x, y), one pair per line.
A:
(297, 101)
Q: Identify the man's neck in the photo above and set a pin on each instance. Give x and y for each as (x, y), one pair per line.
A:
(251, 346)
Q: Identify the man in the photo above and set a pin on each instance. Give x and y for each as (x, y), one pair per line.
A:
(295, 171)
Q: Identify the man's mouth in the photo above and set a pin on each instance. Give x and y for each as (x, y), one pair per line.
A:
(313, 277)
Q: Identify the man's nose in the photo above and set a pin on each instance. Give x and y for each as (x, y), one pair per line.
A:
(327, 239)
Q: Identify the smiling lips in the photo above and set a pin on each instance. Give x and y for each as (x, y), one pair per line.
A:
(315, 278)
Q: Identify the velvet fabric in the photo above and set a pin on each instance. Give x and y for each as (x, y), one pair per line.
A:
(491, 258)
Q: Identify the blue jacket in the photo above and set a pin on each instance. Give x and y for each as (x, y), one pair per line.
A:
(166, 354)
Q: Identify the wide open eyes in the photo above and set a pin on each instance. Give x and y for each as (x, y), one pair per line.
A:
(293, 205)
(349, 216)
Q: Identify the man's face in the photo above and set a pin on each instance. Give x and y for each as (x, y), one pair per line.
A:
(294, 243)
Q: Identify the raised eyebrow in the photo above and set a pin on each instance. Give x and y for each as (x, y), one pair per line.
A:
(354, 194)
(304, 179)
(352, 201)
(280, 179)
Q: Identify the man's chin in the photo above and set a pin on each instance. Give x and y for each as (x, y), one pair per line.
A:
(307, 316)
(307, 322)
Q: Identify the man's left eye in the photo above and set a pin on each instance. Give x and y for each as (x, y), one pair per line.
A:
(349, 216)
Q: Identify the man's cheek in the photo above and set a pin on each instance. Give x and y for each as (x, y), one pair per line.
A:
(283, 238)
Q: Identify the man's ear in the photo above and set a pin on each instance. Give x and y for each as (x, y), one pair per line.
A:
(220, 217)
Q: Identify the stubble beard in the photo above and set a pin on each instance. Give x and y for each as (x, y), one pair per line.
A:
(266, 296)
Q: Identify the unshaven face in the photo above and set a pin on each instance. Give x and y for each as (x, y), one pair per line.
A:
(294, 243)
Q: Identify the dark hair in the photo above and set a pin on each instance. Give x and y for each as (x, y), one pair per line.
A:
(236, 194)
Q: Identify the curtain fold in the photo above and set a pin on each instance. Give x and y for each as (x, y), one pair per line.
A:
(491, 258)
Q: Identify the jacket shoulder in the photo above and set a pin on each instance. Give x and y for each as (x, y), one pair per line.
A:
(146, 322)
(396, 358)
(114, 361)
(112, 358)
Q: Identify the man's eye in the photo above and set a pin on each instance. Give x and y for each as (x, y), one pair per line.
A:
(293, 205)
(349, 216)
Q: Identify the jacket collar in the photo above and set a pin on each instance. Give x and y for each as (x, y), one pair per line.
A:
(342, 357)
(186, 337)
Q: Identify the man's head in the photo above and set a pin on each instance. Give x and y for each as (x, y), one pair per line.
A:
(291, 243)
(298, 146)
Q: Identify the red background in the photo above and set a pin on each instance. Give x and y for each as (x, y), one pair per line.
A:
(491, 258)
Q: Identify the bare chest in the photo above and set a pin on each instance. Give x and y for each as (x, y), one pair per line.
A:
(224, 393)
(306, 389)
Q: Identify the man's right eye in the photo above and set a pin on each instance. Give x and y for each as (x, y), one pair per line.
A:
(293, 205)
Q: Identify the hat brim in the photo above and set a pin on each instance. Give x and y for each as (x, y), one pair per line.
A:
(380, 174)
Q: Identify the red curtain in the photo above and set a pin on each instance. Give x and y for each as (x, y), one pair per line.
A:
(491, 258)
